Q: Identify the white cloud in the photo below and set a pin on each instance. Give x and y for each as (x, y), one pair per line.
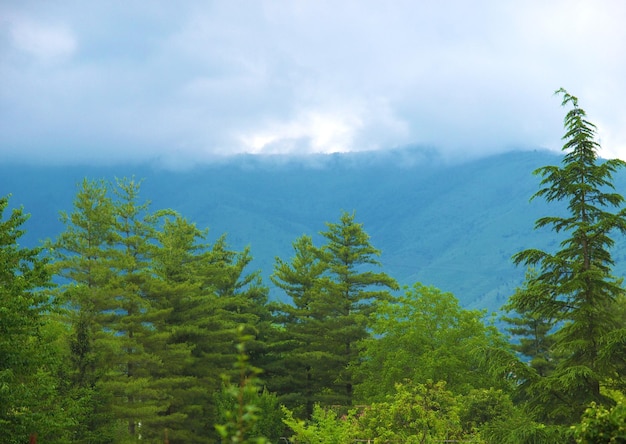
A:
(198, 79)
(43, 41)
(311, 132)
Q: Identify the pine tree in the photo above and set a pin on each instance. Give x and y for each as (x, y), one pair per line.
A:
(81, 259)
(334, 292)
(121, 366)
(576, 286)
(209, 295)
(292, 374)
(136, 380)
(200, 277)
(176, 262)
(350, 291)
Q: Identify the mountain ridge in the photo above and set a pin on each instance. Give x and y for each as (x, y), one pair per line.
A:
(451, 225)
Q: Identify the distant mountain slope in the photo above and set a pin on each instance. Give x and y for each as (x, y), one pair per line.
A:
(451, 226)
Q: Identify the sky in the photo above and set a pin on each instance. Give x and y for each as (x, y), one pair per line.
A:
(187, 82)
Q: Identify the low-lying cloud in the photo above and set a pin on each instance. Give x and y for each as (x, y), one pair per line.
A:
(95, 82)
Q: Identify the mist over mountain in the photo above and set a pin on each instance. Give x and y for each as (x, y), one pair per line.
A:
(453, 225)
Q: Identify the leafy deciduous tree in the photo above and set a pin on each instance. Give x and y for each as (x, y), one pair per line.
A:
(425, 335)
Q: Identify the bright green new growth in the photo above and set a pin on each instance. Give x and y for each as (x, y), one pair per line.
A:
(242, 414)
(600, 425)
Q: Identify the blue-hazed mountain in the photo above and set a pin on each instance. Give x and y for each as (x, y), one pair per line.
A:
(451, 225)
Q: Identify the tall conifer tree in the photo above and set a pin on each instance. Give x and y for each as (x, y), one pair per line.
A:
(350, 291)
(177, 262)
(293, 374)
(208, 294)
(138, 319)
(118, 345)
(575, 285)
(81, 255)
(334, 291)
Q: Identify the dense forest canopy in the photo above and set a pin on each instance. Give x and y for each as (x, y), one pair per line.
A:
(132, 326)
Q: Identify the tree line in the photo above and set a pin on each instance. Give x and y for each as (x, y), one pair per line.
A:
(131, 326)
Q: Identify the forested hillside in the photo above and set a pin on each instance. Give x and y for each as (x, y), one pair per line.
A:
(451, 225)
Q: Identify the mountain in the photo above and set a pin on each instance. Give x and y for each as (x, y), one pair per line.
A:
(451, 225)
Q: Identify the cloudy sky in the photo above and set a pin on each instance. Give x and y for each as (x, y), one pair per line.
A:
(185, 82)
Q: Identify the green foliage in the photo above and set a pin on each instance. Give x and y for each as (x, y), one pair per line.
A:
(151, 318)
(324, 427)
(521, 429)
(80, 259)
(600, 425)
(151, 310)
(299, 278)
(484, 409)
(414, 413)
(117, 344)
(241, 416)
(425, 335)
(130, 333)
